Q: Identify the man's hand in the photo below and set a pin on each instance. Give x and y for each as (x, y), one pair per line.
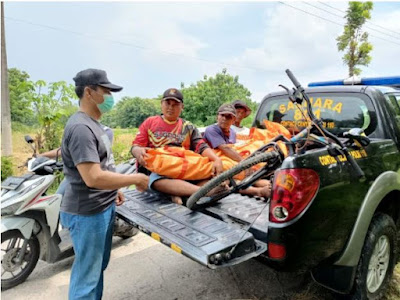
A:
(217, 167)
(120, 198)
(139, 153)
(142, 182)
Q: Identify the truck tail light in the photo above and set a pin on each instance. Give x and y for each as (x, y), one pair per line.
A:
(293, 191)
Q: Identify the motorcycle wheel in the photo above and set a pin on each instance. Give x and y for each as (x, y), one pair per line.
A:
(12, 272)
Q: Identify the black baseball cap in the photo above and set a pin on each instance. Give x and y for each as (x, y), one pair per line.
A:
(227, 108)
(174, 94)
(95, 77)
(242, 104)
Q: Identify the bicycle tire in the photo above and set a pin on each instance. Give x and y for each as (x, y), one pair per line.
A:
(243, 165)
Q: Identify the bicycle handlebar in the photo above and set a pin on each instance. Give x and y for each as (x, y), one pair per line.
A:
(293, 79)
(318, 123)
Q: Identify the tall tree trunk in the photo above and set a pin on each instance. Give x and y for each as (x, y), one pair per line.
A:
(6, 141)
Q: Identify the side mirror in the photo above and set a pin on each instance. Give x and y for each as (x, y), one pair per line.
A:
(357, 136)
(48, 169)
(28, 139)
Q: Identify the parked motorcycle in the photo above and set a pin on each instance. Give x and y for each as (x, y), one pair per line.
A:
(30, 220)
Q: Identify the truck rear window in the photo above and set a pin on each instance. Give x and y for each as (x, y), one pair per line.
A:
(338, 111)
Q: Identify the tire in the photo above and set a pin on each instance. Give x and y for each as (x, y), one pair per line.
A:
(379, 252)
(31, 258)
(243, 165)
(123, 229)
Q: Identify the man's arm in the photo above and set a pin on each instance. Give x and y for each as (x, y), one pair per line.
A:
(140, 143)
(139, 153)
(231, 153)
(51, 154)
(218, 168)
(95, 177)
(215, 140)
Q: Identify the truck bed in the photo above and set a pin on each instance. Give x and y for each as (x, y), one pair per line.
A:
(215, 237)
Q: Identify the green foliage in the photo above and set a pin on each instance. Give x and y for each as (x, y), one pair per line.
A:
(56, 183)
(203, 99)
(20, 105)
(131, 112)
(122, 144)
(121, 152)
(42, 105)
(20, 127)
(353, 40)
(52, 106)
(6, 167)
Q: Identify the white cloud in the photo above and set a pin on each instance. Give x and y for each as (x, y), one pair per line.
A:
(384, 54)
(163, 27)
(306, 45)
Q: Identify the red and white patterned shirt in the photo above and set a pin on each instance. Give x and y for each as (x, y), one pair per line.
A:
(156, 132)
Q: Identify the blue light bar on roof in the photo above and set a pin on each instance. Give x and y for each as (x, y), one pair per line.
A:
(325, 83)
(388, 81)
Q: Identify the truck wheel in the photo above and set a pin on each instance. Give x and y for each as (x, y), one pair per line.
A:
(378, 258)
(12, 271)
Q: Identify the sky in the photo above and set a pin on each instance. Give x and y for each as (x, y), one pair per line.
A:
(147, 47)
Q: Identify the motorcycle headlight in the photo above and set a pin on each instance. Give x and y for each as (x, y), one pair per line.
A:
(10, 209)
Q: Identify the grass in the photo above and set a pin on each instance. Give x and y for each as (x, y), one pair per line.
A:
(122, 143)
(21, 151)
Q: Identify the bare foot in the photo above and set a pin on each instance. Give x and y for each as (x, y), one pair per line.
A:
(266, 191)
(177, 200)
(262, 183)
(222, 187)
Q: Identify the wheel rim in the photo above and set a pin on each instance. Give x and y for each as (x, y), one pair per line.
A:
(10, 249)
(378, 264)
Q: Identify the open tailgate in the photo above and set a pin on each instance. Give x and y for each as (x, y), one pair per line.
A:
(200, 237)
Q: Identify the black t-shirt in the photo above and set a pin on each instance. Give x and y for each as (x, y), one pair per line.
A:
(85, 140)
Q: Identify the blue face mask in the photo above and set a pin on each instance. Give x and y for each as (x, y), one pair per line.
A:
(107, 105)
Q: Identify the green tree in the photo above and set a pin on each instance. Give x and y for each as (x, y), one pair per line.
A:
(20, 88)
(6, 167)
(52, 104)
(353, 40)
(131, 112)
(203, 99)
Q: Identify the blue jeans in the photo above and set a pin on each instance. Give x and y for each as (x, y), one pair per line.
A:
(153, 178)
(91, 238)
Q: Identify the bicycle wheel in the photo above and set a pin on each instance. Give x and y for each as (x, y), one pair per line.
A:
(243, 165)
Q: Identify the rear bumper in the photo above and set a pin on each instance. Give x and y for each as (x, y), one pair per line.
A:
(205, 239)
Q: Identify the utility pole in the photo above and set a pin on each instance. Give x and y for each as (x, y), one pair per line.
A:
(6, 138)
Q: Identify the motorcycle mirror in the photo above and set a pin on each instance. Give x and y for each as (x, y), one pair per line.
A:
(358, 136)
(28, 139)
(48, 169)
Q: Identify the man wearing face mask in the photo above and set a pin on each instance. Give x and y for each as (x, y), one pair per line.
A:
(88, 205)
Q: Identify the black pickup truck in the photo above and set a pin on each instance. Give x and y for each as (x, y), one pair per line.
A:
(344, 229)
